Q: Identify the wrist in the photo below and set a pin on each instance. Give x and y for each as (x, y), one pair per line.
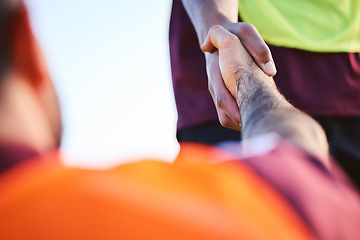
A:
(216, 19)
(206, 13)
(250, 85)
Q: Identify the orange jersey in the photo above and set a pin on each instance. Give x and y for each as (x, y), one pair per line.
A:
(41, 199)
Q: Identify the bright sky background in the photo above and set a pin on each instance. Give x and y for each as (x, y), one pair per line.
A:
(110, 63)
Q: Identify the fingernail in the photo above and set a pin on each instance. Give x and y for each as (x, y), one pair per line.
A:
(270, 68)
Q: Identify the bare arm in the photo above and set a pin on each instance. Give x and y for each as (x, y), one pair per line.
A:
(262, 108)
(206, 13)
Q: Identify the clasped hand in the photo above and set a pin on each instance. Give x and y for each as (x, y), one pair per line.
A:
(229, 52)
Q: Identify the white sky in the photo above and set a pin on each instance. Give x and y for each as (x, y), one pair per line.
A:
(110, 63)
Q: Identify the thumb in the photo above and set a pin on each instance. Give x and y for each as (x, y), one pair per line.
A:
(217, 35)
(208, 46)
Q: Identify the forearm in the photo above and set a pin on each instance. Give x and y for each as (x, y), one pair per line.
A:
(263, 110)
(206, 13)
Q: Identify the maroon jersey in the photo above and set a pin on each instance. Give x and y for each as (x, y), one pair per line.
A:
(321, 84)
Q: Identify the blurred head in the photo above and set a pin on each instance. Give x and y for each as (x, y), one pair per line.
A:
(29, 108)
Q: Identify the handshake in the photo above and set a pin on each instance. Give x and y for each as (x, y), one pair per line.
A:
(228, 62)
(246, 96)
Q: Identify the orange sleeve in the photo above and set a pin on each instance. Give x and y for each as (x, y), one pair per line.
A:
(144, 200)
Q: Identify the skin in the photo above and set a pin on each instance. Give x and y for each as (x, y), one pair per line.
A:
(29, 108)
(26, 119)
(262, 108)
(204, 15)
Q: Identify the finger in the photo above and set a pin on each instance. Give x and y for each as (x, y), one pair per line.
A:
(224, 119)
(230, 51)
(220, 94)
(225, 101)
(256, 47)
(217, 38)
(208, 46)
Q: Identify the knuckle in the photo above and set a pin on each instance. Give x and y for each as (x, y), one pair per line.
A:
(229, 40)
(224, 121)
(219, 102)
(222, 98)
(215, 28)
(263, 51)
(245, 29)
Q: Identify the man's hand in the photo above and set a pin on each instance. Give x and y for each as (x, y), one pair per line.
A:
(262, 108)
(224, 72)
(254, 44)
(226, 107)
(206, 14)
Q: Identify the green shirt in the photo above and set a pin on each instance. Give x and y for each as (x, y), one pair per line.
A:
(313, 25)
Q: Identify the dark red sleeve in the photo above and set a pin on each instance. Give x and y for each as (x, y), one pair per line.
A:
(322, 196)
